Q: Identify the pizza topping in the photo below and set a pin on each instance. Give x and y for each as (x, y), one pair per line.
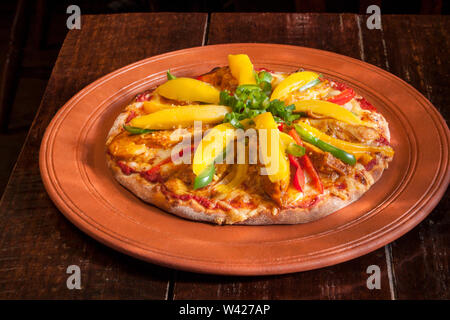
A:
(249, 101)
(183, 116)
(124, 149)
(277, 169)
(383, 141)
(157, 102)
(212, 146)
(221, 78)
(329, 109)
(241, 68)
(125, 169)
(299, 177)
(341, 186)
(338, 153)
(170, 76)
(153, 175)
(135, 130)
(306, 164)
(369, 166)
(338, 85)
(353, 148)
(205, 177)
(345, 131)
(325, 162)
(366, 105)
(234, 179)
(310, 84)
(264, 69)
(187, 89)
(291, 83)
(361, 178)
(144, 96)
(295, 150)
(344, 97)
(131, 116)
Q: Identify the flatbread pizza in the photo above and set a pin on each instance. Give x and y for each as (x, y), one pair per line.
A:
(240, 145)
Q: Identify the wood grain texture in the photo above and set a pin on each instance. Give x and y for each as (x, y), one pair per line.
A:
(337, 33)
(37, 243)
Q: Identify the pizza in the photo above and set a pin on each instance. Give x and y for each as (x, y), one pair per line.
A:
(241, 145)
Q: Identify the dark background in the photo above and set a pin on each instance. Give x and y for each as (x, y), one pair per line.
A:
(32, 32)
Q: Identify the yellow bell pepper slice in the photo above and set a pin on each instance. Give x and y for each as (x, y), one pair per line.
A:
(236, 177)
(187, 89)
(211, 146)
(183, 116)
(277, 165)
(357, 149)
(291, 83)
(155, 104)
(331, 110)
(241, 68)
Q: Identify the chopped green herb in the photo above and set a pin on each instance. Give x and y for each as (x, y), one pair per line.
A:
(233, 119)
(170, 76)
(265, 76)
(283, 112)
(250, 100)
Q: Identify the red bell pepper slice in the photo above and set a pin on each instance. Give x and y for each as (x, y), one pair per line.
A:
(305, 163)
(344, 97)
(299, 177)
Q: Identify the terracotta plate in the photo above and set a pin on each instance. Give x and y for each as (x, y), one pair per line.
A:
(74, 172)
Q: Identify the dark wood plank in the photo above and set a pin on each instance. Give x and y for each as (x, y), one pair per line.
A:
(343, 281)
(338, 33)
(417, 51)
(9, 78)
(37, 243)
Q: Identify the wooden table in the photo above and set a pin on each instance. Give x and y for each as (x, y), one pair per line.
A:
(37, 243)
